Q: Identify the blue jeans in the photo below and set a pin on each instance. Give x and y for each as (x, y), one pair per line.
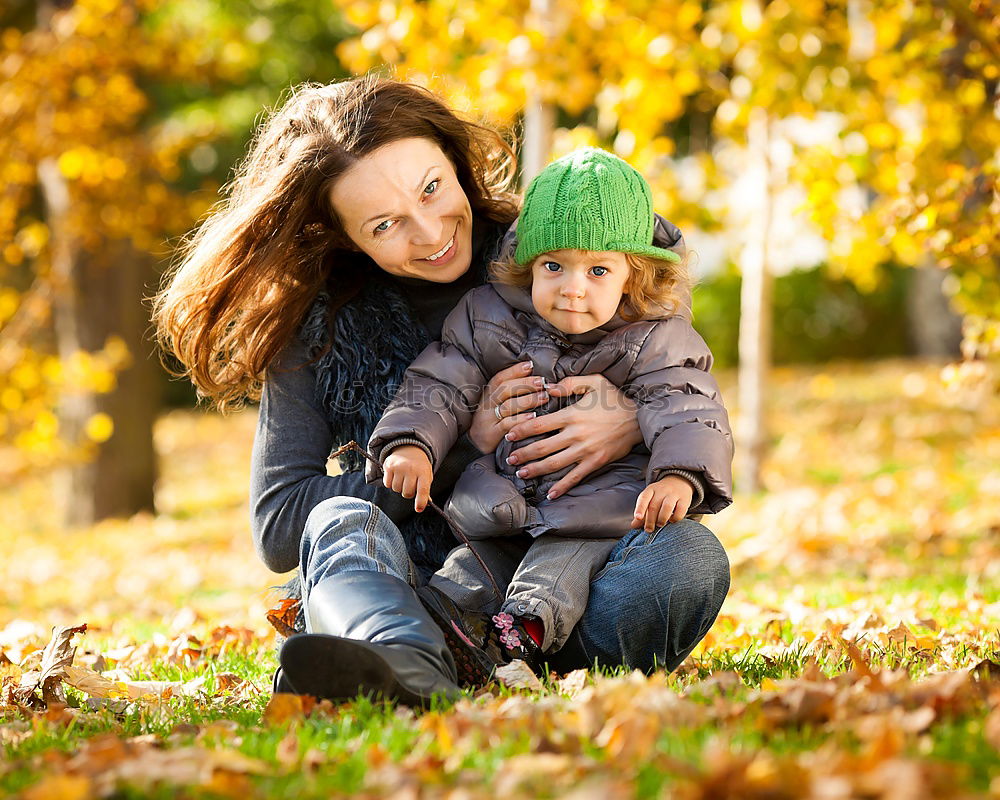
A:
(649, 606)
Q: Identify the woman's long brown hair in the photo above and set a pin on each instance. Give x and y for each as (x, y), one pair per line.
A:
(250, 272)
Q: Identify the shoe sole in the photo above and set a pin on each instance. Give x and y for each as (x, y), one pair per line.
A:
(473, 671)
(333, 668)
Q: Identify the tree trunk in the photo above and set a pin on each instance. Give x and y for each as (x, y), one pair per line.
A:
(935, 328)
(755, 316)
(99, 295)
(539, 116)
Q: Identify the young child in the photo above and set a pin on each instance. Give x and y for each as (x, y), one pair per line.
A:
(584, 292)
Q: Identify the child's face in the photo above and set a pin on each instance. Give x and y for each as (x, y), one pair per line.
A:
(578, 290)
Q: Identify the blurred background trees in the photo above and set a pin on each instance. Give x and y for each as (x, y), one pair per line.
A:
(831, 151)
(121, 119)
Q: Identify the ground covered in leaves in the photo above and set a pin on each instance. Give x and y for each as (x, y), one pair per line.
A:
(857, 656)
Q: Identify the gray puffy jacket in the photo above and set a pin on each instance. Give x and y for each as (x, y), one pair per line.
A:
(662, 364)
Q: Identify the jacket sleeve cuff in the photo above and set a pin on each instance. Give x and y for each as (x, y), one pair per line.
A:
(690, 477)
(403, 440)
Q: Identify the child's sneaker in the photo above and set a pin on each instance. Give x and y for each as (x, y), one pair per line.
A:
(480, 642)
(512, 638)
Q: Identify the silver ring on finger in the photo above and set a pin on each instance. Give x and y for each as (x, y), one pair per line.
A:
(496, 413)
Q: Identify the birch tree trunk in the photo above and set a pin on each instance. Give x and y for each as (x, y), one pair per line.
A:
(755, 315)
(539, 116)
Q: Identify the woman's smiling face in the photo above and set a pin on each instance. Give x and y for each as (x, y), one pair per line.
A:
(403, 206)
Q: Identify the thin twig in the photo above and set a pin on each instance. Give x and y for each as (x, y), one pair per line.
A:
(352, 445)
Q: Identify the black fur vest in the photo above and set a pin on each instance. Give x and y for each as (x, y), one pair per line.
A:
(375, 337)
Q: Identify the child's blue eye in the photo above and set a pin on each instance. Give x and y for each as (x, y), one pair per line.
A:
(551, 266)
(600, 271)
(431, 187)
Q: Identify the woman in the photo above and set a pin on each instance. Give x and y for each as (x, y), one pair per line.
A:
(363, 213)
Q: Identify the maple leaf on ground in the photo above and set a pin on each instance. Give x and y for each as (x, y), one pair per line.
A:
(282, 616)
(283, 707)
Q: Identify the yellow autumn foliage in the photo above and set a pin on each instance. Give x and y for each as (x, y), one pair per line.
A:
(912, 85)
(75, 104)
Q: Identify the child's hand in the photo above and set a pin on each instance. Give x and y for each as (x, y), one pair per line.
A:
(407, 471)
(665, 501)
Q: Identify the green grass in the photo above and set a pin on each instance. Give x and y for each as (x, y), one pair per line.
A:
(862, 527)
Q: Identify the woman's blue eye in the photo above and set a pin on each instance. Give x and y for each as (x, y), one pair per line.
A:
(603, 271)
(431, 187)
(551, 266)
(383, 226)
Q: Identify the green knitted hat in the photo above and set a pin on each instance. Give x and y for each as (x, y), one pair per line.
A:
(588, 200)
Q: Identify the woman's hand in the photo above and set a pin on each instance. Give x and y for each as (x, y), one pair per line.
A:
(514, 391)
(597, 429)
(407, 471)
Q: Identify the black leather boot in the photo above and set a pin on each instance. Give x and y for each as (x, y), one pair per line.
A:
(370, 635)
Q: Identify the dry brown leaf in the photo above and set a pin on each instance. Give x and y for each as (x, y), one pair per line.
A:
(629, 738)
(600, 789)
(918, 721)
(282, 616)
(13, 732)
(98, 754)
(60, 787)
(95, 684)
(902, 635)
(185, 649)
(143, 767)
(287, 752)
(140, 762)
(235, 761)
(800, 702)
(991, 729)
(721, 682)
(313, 759)
(811, 671)
(228, 784)
(218, 730)
(825, 645)
(226, 680)
(518, 675)
(57, 655)
(573, 683)
(167, 689)
(951, 692)
(861, 664)
(121, 653)
(987, 669)
(180, 732)
(283, 707)
(529, 774)
(226, 637)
